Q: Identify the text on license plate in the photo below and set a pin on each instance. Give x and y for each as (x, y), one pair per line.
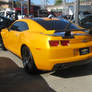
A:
(84, 51)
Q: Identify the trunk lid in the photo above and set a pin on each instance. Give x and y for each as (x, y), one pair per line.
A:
(77, 36)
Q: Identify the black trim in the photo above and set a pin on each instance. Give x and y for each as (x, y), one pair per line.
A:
(61, 66)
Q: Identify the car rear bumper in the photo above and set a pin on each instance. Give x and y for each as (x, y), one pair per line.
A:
(53, 64)
(60, 66)
(51, 57)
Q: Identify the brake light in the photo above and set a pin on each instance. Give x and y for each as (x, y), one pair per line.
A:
(64, 42)
(54, 43)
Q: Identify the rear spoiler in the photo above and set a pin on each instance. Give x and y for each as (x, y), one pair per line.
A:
(69, 35)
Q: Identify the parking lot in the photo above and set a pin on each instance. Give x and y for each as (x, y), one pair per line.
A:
(14, 79)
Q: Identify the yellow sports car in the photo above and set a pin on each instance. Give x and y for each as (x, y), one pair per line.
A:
(48, 43)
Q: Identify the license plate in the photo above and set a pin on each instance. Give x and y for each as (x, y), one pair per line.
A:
(84, 51)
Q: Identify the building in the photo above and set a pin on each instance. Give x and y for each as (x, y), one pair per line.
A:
(4, 4)
(68, 8)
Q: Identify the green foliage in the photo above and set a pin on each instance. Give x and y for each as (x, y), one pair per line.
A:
(85, 0)
(58, 2)
(82, 0)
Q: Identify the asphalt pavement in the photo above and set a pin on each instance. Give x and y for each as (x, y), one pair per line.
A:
(14, 79)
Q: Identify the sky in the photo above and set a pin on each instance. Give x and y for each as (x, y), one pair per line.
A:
(38, 2)
(51, 2)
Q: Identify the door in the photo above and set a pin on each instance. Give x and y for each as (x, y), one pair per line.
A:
(14, 35)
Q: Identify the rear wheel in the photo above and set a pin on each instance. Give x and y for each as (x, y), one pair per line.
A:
(28, 61)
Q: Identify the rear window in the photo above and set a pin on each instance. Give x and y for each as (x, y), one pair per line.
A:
(56, 24)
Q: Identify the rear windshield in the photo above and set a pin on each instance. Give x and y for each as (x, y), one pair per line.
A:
(56, 24)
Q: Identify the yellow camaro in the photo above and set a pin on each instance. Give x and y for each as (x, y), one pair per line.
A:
(47, 44)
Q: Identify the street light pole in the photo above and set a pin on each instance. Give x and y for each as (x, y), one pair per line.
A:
(76, 11)
(22, 8)
(12, 4)
(64, 5)
(28, 8)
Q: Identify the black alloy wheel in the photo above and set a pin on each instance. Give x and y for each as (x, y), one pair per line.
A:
(28, 61)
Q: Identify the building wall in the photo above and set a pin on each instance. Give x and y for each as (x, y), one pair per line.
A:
(69, 8)
(4, 4)
(52, 7)
(5, 0)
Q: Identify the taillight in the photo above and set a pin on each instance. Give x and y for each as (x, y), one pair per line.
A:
(64, 42)
(54, 43)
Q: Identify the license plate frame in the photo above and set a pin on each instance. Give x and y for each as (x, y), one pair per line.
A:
(84, 51)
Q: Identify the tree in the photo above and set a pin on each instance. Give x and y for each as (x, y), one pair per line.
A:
(85, 0)
(82, 0)
(58, 2)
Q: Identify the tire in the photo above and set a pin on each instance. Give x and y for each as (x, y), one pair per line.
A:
(2, 44)
(28, 61)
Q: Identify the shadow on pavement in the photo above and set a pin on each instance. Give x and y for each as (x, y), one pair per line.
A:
(77, 71)
(14, 79)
